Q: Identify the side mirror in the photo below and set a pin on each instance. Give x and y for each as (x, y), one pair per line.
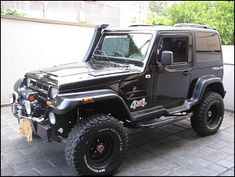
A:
(167, 58)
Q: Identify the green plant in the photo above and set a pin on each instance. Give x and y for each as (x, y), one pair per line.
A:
(84, 22)
(7, 11)
(154, 19)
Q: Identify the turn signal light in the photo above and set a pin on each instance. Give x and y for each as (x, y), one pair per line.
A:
(31, 98)
(88, 100)
(49, 103)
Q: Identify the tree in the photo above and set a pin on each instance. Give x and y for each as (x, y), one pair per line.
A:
(158, 7)
(216, 14)
(159, 20)
(223, 20)
(158, 13)
(219, 15)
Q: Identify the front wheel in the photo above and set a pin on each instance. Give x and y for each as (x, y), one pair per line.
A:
(208, 115)
(97, 145)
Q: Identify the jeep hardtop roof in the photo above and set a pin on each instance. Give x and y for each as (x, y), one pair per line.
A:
(152, 28)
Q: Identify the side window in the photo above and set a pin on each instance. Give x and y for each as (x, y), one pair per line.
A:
(207, 47)
(207, 42)
(177, 45)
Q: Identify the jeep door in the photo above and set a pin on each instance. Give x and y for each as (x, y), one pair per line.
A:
(172, 81)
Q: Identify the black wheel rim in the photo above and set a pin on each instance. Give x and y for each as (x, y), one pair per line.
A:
(101, 150)
(213, 116)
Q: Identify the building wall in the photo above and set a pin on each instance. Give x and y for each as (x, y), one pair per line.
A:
(115, 13)
(133, 12)
(29, 46)
(94, 12)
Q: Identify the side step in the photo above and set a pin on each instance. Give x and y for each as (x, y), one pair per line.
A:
(162, 121)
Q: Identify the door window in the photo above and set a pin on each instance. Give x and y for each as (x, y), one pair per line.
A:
(177, 45)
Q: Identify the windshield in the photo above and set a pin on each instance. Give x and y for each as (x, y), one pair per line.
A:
(127, 46)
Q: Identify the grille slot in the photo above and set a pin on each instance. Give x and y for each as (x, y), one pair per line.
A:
(40, 87)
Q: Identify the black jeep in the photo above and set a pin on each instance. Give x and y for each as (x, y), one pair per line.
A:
(138, 77)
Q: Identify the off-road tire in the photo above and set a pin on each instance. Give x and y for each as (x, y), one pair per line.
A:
(79, 147)
(208, 115)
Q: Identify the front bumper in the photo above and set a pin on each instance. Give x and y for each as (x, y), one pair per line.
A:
(40, 125)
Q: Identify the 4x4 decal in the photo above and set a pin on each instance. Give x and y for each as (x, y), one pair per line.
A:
(135, 104)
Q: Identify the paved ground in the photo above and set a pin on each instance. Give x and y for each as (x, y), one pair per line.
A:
(174, 149)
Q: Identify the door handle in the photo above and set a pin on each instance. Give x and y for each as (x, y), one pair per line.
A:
(186, 72)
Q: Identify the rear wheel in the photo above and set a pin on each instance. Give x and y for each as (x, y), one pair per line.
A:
(97, 145)
(208, 115)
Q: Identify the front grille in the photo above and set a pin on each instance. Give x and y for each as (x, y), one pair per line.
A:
(40, 87)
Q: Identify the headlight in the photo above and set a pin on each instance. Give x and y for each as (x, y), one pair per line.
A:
(27, 107)
(53, 92)
(52, 118)
(12, 98)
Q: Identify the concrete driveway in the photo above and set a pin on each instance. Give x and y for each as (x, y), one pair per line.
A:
(171, 150)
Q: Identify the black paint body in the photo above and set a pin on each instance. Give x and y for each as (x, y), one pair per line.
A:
(156, 90)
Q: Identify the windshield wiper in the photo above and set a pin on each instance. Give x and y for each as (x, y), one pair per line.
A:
(99, 52)
(103, 54)
(117, 54)
(120, 54)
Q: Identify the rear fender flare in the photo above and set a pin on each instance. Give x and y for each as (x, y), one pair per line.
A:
(202, 84)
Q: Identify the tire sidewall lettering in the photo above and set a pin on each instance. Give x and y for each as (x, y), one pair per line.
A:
(82, 137)
(92, 169)
(120, 149)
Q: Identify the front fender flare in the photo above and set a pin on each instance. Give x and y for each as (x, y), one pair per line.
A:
(64, 103)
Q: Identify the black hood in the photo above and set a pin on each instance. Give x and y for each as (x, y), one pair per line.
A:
(84, 74)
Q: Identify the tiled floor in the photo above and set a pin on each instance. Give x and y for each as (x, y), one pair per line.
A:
(171, 150)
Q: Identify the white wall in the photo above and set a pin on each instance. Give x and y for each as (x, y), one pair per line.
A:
(228, 54)
(27, 46)
(228, 80)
